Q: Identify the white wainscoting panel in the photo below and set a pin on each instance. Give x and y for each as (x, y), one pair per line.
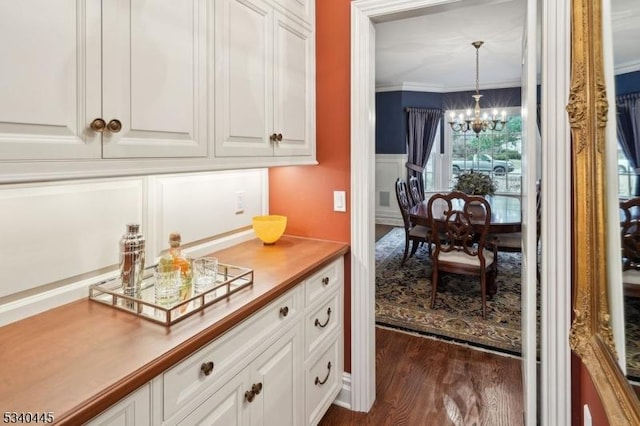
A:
(52, 232)
(60, 237)
(389, 167)
(203, 205)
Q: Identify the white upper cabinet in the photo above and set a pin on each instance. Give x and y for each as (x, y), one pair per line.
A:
(49, 75)
(265, 82)
(138, 66)
(154, 78)
(94, 88)
(302, 8)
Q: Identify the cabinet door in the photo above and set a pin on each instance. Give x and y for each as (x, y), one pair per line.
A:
(294, 88)
(243, 78)
(50, 67)
(301, 8)
(134, 410)
(226, 407)
(154, 78)
(277, 373)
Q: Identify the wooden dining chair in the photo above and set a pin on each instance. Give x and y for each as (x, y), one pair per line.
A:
(417, 195)
(461, 223)
(630, 240)
(414, 235)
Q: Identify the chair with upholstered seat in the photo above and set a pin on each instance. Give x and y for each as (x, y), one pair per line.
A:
(463, 246)
(630, 239)
(414, 234)
(417, 195)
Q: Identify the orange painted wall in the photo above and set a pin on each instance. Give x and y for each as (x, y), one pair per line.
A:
(305, 194)
(584, 392)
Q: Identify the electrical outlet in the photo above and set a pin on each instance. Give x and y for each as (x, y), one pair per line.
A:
(240, 202)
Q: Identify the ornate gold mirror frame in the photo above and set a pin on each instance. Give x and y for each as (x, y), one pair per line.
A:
(591, 335)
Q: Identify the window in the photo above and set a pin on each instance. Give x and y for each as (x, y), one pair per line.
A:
(626, 175)
(496, 153)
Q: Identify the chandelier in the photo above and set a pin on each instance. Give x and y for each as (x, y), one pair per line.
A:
(477, 123)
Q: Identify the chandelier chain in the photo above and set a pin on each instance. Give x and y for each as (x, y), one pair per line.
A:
(478, 70)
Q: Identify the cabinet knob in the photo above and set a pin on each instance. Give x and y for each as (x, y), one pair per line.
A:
(250, 395)
(273, 137)
(284, 311)
(114, 126)
(98, 125)
(256, 388)
(325, 280)
(207, 367)
(279, 137)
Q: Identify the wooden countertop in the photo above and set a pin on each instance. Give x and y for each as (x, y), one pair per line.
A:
(80, 358)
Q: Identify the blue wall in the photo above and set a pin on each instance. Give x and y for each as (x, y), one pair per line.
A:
(391, 117)
(628, 83)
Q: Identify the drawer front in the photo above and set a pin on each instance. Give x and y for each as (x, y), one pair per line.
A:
(322, 323)
(322, 382)
(205, 369)
(324, 281)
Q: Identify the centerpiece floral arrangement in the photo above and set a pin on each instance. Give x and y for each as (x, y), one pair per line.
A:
(474, 183)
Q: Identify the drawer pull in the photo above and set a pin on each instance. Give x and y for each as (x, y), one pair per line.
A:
(317, 322)
(322, 382)
(325, 281)
(207, 367)
(284, 311)
(250, 395)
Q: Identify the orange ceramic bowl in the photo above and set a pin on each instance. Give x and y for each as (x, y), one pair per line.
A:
(269, 228)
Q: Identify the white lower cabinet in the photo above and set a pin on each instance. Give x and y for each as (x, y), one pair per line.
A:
(266, 392)
(135, 409)
(225, 407)
(281, 366)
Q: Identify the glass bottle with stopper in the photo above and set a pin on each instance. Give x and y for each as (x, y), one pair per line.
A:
(175, 258)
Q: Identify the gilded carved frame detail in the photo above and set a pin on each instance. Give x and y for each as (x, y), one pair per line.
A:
(591, 336)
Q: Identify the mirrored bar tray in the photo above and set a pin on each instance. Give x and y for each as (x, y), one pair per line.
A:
(231, 279)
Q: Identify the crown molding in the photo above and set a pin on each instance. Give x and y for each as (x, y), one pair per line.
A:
(421, 87)
(628, 67)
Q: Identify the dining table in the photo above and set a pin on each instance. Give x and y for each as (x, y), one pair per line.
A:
(506, 214)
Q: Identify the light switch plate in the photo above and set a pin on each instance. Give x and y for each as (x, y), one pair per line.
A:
(339, 201)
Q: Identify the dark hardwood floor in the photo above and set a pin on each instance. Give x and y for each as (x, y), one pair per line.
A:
(381, 230)
(421, 381)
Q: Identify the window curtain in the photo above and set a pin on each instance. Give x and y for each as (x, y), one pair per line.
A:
(628, 131)
(422, 125)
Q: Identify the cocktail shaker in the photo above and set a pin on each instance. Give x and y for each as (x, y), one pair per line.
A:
(132, 260)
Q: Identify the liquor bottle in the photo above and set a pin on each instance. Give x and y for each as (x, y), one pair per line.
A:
(175, 258)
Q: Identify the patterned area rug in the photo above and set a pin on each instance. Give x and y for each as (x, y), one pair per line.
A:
(632, 332)
(403, 297)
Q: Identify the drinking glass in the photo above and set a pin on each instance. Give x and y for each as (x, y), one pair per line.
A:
(167, 286)
(205, 273)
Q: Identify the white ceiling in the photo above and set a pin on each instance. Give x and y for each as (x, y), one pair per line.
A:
(430, 49)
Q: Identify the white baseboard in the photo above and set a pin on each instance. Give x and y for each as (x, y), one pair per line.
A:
(344, 397)
(393, 221)
(35, 304)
